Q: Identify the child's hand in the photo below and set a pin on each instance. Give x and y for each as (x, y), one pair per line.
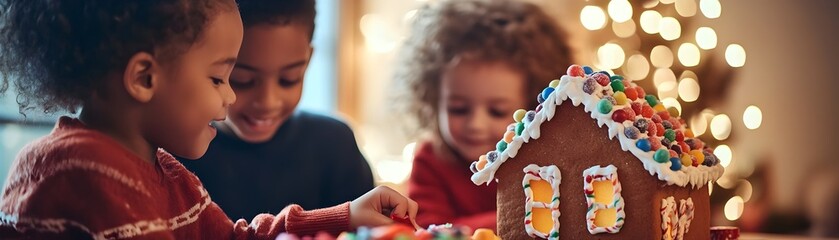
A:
(375, 207)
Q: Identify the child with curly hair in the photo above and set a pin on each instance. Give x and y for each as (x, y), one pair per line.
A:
(466, 67)
(148, 75)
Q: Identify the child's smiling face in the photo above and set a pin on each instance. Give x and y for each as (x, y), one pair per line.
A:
(194, 89)
(268, 79)
(477, 102)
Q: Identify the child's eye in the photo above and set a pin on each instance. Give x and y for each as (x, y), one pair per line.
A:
(288, 82)
(241, 84)
(498, 113)
(458, 110)
(217, 81)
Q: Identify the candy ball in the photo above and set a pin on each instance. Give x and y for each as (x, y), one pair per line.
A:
(620, 115)
(652, 100)
(519, 129)
(620, 98)
(519, 115)
(604, 106)
(641, 124)
(631, 93)
(539, 98)
(508, 136)
(473, 167)
(700, 157)
(611, 100)
(501, 146)
(667, 124)
(554, 83)
(547, 92)
(576, 71)
(616, 77)
(530, 116)
(661, 156)
(655, 143)
(587, 70)
(617, 86)
(631, 132)
(492, 156)
(590, 86)
(687, 160)
(670, 134)
(647, 111)
(601, 78)
(680, 137)
(675, 164)
(643, 144)
(482, 163)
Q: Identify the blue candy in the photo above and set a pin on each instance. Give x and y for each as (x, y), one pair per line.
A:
(492, 156)
(547, 92)
(676, 164)
(631, 132)
(643, 144)
(539, 98)
(587, 70)
(530, 116)
(589, 86)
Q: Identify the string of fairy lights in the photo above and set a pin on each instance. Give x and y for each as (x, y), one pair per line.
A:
(659, 63)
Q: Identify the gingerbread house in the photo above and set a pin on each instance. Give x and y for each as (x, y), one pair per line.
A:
(599, 159)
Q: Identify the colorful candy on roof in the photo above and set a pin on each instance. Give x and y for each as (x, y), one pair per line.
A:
(642, 124)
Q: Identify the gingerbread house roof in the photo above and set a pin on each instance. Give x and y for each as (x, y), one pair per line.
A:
(642, 125)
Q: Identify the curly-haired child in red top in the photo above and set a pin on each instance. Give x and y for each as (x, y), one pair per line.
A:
(466, 67)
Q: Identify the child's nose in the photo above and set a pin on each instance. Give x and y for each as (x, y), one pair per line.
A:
(228, 96)
(269, 97)
(479, 120)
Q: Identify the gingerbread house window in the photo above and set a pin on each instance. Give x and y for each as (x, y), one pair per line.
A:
(541, 190)
(603, 197)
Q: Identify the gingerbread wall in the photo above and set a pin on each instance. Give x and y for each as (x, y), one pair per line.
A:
(573, 142)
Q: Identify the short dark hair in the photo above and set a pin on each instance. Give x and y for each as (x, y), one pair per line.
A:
(278, 12)
(56, 53)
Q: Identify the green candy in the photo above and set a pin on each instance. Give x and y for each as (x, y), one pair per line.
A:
(501, 146)
(651, 100)
(661, 156)
(616, 77)
(617, 86)
(519, 128)
(670, 135)
(604, 106)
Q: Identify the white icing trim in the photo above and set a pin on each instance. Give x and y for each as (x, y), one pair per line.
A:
(608, 173)
(571, 88)
(552, 175)
(130, 230)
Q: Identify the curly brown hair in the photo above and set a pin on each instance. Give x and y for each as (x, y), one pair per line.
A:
(56, 53)
(515, 32)
(278, 12)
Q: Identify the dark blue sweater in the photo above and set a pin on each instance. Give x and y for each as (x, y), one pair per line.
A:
(313, 161)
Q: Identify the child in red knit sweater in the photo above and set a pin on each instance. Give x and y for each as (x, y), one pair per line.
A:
(148, 76)
(467, 66)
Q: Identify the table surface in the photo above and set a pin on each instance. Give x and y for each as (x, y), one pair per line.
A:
(758, 236)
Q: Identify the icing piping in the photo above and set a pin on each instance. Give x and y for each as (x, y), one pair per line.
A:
(552, 175)
(571, 88)
(597, 173)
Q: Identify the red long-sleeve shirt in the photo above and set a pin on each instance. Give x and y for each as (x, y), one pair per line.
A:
(446, 194)
(78, 183)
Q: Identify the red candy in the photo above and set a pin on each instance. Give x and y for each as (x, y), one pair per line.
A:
(655, 143)
(659, 129)
(676, 123)
(648, 111)
(620, 115)
(601, 78)
(641, 92)
(673, 154)
(539, 108)
(680, 136)
(631, 93)
(576, 71)
(664, 115)
(636, 107)
(684, 146)
(630, 114)
(651, 129)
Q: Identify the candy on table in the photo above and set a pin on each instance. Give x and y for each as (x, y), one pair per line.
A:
(393, 231)
(485, 234)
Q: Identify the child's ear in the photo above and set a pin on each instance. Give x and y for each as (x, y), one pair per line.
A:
(139, 78)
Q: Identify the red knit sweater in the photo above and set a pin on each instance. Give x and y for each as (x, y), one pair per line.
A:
(77, 183)
(446, 194)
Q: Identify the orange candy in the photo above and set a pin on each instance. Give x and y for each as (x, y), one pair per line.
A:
(482, 162)
(508, 136)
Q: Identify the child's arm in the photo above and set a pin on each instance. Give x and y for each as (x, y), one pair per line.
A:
(368, 210)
